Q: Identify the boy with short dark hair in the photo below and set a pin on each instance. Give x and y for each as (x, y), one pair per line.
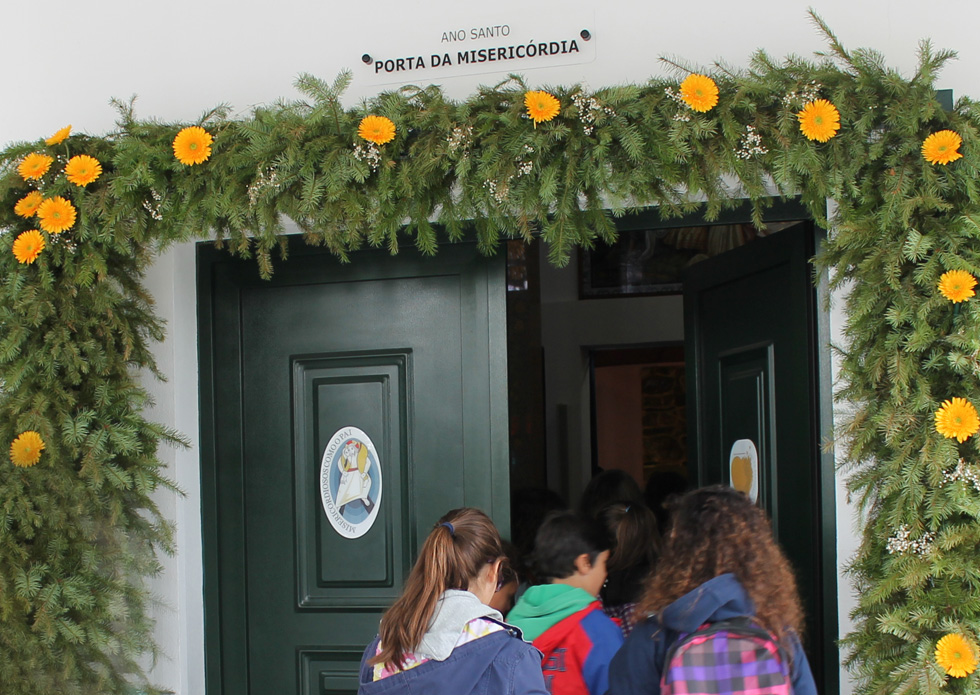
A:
(562, 617)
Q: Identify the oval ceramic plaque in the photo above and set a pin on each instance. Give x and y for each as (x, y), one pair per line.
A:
(350, 482)
(743, 468)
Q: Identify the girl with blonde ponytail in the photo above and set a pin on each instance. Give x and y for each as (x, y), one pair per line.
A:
(441, 637)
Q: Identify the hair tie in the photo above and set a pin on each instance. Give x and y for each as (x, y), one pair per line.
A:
(452, 530)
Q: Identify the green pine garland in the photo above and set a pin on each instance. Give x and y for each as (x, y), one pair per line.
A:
(79, 530)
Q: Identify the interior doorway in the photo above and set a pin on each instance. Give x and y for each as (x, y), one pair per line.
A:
(639, 415)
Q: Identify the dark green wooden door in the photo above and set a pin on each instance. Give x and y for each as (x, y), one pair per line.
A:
(753, 404)
(409, 351)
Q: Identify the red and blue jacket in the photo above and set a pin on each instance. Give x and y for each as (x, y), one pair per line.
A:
(577, 640)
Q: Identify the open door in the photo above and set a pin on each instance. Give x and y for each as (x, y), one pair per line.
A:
(345, 408)
(754, 406)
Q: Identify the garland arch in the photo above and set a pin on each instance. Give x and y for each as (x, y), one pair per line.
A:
(78, 525)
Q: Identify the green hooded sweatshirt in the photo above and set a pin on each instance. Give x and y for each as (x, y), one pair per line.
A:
(544, 605)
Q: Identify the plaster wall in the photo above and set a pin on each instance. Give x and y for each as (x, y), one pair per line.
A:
(62, 61)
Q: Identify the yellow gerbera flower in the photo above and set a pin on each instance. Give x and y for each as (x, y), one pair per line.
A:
(82, 170)
(819, 120)
(192, 145)
(942, 147)
(28, 246)
(699, 92)
(34, 166)
(27, 206)
(59, 137)
(957, 655)
(541, 106)
(56, 215)
(957, 419)
(376, 129)
(25, 451)
(957, 285)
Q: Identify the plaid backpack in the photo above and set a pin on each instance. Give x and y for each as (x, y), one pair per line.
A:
(729, 657)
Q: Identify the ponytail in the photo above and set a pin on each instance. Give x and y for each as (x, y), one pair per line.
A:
(453, 554)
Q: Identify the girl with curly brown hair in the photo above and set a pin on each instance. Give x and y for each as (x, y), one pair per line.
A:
(719, 562)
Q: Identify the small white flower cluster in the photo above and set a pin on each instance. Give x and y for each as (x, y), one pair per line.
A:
(524, 167)
(682, 117)
(901, 543)
(460, 139)
(674, 95)
(968, 474)
(750, 145)
(808, 92)
(153, 207)
(62, 240)
(588, 109)
(267, 179)
(499, 192)
(368, 153)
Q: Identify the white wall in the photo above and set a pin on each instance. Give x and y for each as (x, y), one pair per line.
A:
(179, 605)
(62, 61)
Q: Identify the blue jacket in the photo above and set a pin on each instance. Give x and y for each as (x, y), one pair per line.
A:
(500, 662)
(635, 670)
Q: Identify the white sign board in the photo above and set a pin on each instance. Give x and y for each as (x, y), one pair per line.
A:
(474, 45)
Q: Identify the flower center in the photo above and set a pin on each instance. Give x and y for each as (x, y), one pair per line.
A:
(193, 145)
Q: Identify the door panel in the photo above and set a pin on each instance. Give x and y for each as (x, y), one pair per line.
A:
(751, 335)
(408, 350)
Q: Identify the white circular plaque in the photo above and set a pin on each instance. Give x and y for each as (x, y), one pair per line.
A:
(350, 482)
(743, 468)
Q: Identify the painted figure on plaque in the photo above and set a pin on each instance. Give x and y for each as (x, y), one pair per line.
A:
(355, 478)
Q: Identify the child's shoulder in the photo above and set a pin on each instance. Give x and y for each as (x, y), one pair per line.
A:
(599, 625)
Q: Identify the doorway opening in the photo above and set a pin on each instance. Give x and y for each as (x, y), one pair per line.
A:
(653, 356)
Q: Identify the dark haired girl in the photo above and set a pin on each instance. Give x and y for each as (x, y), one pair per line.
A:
(440, 637)
(719, 561)
(634, 555)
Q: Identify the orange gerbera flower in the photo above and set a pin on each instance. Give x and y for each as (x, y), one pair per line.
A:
(376, 129)
(699, 92)
(27, 206)
(28, 246)
(192, 145)
(34, 166)
(59, 137)
(25, 450)
(957, 419)
(942, 147)
(56, 215)
(541, 106)
(82, 170)
(819, 120)
(957, 285)
(957, 655)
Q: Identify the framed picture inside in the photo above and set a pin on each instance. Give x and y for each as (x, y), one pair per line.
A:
(652, 261)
